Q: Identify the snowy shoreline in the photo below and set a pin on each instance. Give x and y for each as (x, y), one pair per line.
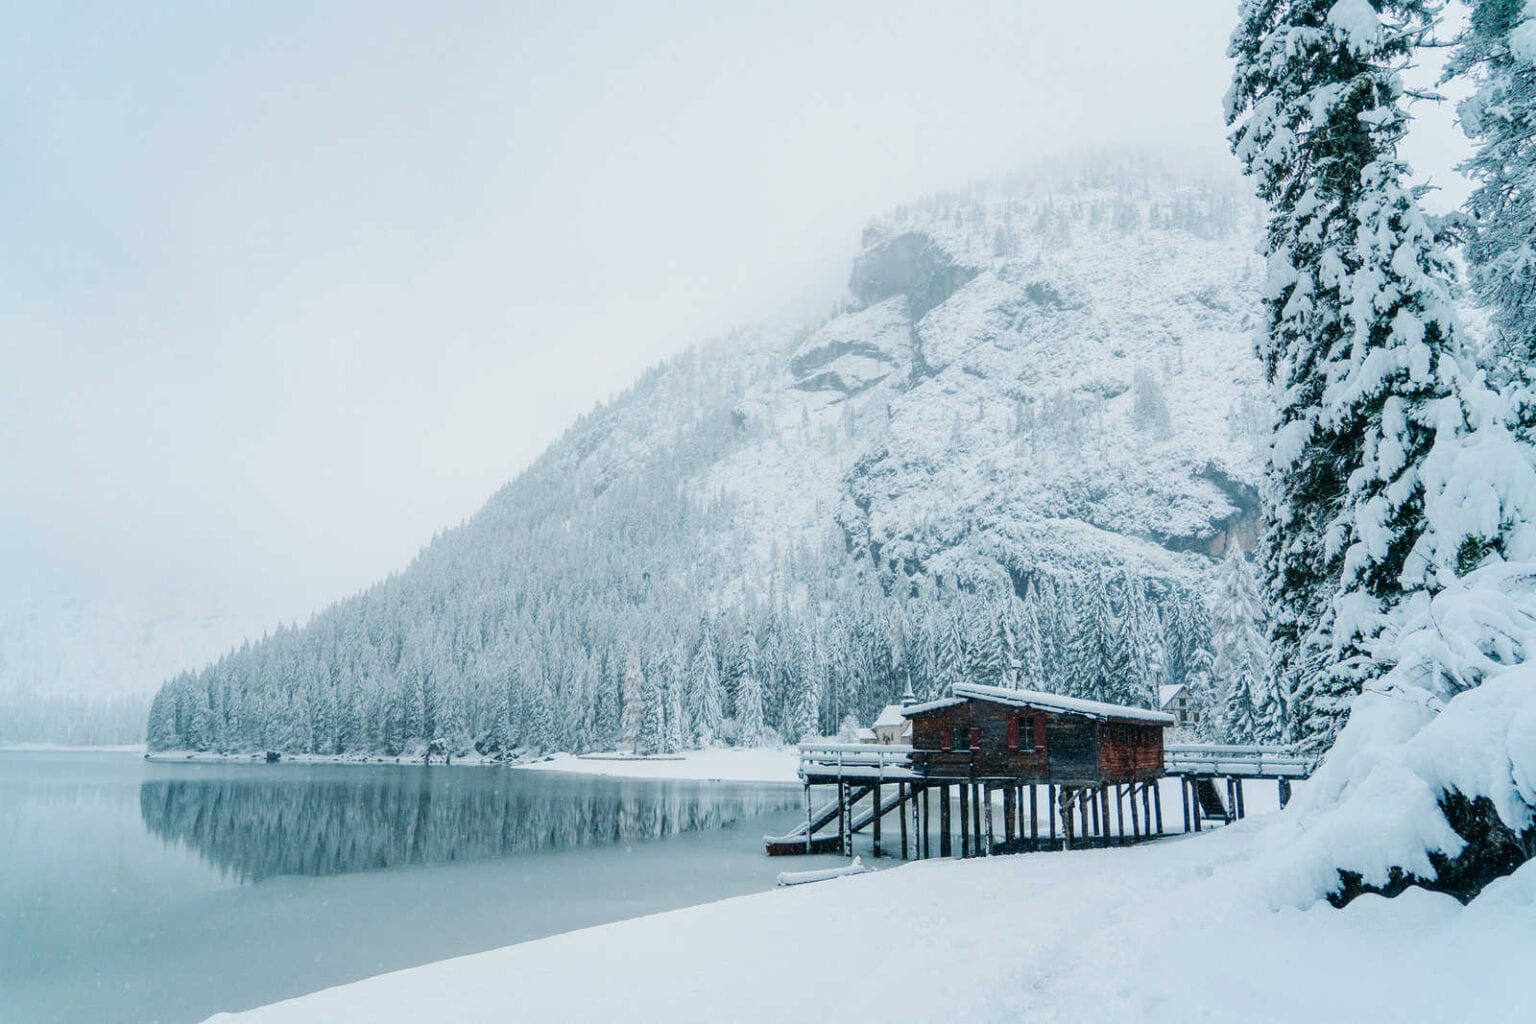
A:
(720, 764)
(72, 748)
(1108, 935)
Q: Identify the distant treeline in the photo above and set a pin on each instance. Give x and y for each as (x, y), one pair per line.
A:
(76, 719)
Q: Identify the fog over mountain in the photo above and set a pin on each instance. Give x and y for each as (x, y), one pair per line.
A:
(1034, 423)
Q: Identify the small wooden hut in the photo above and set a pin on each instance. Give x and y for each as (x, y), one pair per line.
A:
(989, 733)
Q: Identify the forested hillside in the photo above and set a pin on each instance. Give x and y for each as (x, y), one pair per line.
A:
(1015, 454)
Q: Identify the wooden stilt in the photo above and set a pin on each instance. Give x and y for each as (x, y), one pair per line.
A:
(1084, 823)
(1285, 792)
(844, 834)
(1034, 820)
(874, 823)
(1242, 806)
(1184, 799)
(1104, 806)
(1010, 814)
(1135, 821)
(986, 848)
(1157, 804)
(807, 817)
(965, 819)
(1120, 813)
(946, 845)
(976, 818)
(902, 793)
(1146, 809)
(1194, 795)
(1050, 814)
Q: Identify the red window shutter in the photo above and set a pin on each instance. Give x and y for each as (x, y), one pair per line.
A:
(945, 742)
(1039, 732)
(975, 737)
(1013, 733)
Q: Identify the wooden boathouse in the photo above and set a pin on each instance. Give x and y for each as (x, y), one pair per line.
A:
(1057, 771)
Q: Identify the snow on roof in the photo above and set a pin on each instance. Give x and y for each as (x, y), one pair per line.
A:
(1165, 694)
(1044, 702)
(865, 734)
(890, 715)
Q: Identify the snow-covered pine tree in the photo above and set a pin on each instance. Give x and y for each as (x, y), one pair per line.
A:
(1357, 327)
(1241, 659)
(1029, 657)
(705, 696)
(1496, 52)
(1092, 649)
(633, 716)
(749, 694)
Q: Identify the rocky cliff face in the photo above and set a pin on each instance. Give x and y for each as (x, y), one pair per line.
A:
(1031, 379)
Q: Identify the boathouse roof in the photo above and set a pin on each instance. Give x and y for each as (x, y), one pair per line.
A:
(1040, 701)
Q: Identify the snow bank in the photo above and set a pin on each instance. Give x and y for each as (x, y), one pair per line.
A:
(779, 764)
(1417, 735)
(1176, 931)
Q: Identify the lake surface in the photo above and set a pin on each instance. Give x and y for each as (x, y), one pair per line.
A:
(140, 891)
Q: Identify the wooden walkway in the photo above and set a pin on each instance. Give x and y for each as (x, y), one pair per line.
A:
(881, 778)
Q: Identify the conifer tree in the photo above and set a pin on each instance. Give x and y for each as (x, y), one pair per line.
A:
(1241, 660)
(704, 691)
(1092, 652)
(1358, 328)
(749, 695)
(632, 718)
(1497, 54)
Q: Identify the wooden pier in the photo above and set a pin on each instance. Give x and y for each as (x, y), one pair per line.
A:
(1014, 771)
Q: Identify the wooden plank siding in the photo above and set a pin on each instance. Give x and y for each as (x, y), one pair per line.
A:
(979, 739)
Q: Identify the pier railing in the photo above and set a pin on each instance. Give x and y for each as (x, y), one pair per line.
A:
(861, 759)
(1236, 761)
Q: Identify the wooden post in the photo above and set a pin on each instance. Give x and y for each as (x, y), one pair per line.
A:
(1034, 820)
(1104, 806)
(807, 817)
(1066, 819)
(965, 819)
(1194, 795)
(1135, 821)
(902, 793)
(1242, 805)
(925, 848)
(976, 818)
(1146, 809)
(1285, 793)
(875, 822)
(946, 846)
(1010, 814)
(1085, 823)
(1157, 803)
(987, 847)
(844, 837)
(1120, 812)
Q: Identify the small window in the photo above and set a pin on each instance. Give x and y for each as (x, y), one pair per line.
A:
(962, 738)
(1027, 733)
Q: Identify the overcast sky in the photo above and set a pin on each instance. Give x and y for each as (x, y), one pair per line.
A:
(285, 288)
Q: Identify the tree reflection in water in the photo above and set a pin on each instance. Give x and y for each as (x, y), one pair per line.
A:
(255, 827)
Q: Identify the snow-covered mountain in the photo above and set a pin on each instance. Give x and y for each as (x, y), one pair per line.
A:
(1038, 390)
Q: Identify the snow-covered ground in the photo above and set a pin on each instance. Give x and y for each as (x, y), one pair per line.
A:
(778, 764)
(1176, 931)
(64, 748)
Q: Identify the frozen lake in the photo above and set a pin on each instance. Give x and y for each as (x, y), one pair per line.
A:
(138, 891)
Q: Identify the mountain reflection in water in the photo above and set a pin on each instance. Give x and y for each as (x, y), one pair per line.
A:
(363, 819)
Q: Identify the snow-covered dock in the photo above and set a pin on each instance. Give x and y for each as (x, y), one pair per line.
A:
(1053, 771)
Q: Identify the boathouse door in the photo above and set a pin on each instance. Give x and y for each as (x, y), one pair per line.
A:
(1073, 749)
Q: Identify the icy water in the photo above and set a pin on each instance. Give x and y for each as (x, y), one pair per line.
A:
(139, 891)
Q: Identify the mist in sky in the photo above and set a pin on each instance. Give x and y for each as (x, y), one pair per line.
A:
(286, 290)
